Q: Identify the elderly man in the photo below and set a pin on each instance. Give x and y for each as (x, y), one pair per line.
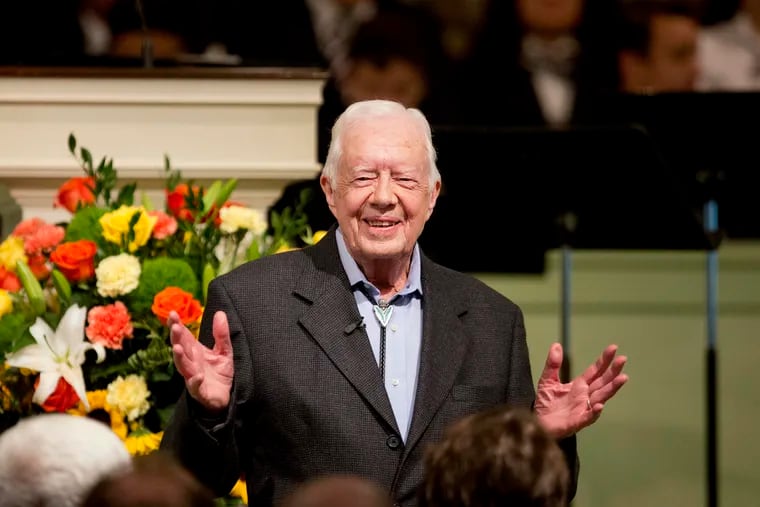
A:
(353, 355)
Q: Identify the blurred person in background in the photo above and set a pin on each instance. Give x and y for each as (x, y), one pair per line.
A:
(53, 460)
(730, 51)
(397, 56)
(539, 63)
(658, 46)
(501, 456)
(156, 480)
(338, 490)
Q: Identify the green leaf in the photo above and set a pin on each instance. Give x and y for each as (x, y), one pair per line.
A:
(254, 250)
(86, 157)
(164, 414)
(146, 202)
(14, 332)
(62, 286)
(225, 192)
(209, 273)
(127, 194)
(72, 143)
(210, 198)
(31, 287)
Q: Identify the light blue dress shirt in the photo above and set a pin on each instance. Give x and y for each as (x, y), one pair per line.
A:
(403, 333)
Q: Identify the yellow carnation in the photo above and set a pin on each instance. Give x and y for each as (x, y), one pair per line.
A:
(116, 226)
(129, 395)
(12, 250)
(118, 275)
(6, 303)
(240, 217)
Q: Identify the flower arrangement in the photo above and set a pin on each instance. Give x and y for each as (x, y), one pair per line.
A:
(83, 304)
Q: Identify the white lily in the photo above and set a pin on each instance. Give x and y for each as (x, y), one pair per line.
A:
(57, 354)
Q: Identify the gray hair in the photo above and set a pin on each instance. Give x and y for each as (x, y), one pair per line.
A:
(55, 459)
(369, 109)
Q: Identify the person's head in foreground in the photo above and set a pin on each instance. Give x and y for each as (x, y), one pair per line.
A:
(381, 183)
(498, 457)
(338, 491)
(53, 460)
(156, 480)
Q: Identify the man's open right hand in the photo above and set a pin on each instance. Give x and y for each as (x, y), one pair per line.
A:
(207, 372)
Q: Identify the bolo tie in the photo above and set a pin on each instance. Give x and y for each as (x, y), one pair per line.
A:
(383, 311)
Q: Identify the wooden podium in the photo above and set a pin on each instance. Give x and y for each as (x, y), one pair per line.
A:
(255, 124)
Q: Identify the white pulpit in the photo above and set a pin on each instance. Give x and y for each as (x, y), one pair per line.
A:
(258, 125)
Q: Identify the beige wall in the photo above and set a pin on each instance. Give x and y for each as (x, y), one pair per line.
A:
(649, 446)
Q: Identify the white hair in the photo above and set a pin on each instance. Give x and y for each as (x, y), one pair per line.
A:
(55, 459)
(367, 110)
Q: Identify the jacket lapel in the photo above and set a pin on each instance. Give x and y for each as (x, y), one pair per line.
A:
(330, 321)
(444, 346)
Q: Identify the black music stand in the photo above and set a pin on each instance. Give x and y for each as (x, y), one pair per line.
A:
(587, 188)
(714, 154)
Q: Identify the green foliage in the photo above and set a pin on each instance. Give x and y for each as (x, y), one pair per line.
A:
(157, 274)
(85, 225)
(14, 331)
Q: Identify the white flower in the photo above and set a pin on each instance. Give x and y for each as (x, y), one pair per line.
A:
(231, 252)
(57, 354)
(239, 217)
(118, 275)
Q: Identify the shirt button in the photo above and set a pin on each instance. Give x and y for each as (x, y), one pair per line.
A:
(393, 442)
(395, 382)
(394, 327)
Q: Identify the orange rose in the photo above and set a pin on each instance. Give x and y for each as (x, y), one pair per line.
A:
(38, 265)
(76, 259)
(75, 193)
(63, 398)
(173, 298)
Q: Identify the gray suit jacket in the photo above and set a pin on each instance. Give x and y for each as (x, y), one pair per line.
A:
(307, 398)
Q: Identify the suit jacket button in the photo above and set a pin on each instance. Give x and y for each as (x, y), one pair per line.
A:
(393, 442)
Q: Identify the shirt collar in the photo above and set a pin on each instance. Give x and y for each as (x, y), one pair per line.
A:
(356, 277)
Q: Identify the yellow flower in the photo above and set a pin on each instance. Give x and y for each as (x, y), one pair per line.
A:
(97, 401)
(195, 327)
(116, 226)
(6, 303)
(118, 275)
(129, 395)
(12, 250)
(142, 442)
(239, 490)
(240, 217)
(285, 248)
(318, 236)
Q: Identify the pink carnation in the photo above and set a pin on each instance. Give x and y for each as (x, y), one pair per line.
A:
(38, 235)
(109, 325)
(166, 225)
